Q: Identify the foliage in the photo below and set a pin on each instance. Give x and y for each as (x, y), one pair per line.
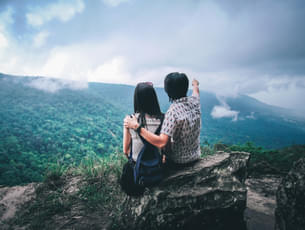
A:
(54, 172)
(276, 160)
(40, 130)
(262, 161)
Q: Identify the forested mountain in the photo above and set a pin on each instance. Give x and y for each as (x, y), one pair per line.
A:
(44, 121)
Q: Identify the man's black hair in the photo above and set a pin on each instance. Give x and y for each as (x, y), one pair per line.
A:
(176, 85)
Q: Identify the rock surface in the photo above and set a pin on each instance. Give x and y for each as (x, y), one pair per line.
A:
(209, 195)
(290, 199)
(259, 214)
(12, 199)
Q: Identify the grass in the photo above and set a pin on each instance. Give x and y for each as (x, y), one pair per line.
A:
(96, 190)
(102, 175)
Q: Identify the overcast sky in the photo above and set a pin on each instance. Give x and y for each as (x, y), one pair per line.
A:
(253, 47)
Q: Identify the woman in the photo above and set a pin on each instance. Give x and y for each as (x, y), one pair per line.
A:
(148, 114)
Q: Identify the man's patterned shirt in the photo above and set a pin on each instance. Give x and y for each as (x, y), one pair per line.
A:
(182, 123)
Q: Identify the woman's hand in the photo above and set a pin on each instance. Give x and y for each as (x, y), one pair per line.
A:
(126, 140)
(124, 124)
(131, 122)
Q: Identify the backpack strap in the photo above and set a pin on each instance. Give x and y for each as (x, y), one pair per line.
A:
(160, 126)
(130, 154)
(156, 132)
(137, 166)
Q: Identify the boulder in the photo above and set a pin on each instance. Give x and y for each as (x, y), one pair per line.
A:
(290, 199)
(209, 195)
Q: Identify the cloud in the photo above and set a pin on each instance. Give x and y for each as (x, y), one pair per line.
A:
(223, 111)
(114, 3)
(112, 71)
(40, 39)
(53, 85)
(3, 41)
(61, 10)
(251, 116)
(6, 19)
(288, 93)
(246, 47)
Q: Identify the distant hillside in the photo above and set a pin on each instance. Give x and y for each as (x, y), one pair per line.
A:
(44, 121)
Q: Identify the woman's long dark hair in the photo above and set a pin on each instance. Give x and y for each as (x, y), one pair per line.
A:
(145, 101)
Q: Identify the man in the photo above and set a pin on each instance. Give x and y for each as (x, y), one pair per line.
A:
(182, 122)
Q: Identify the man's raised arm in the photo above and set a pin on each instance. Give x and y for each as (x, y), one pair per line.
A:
(195, 85)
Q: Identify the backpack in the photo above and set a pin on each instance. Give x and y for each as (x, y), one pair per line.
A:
(148, 170)
(127, 182)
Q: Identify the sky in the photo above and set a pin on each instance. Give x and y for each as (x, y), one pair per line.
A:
(251, 47)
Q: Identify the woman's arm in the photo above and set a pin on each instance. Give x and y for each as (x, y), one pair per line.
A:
(126, 141)
(158, 141)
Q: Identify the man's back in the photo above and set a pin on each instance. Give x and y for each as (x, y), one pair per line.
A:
(182, 123)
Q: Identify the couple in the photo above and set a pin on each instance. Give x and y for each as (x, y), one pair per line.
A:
(180, 130)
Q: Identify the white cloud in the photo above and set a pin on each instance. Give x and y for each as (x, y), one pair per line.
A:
(53, 85)
(114, 3)
(56, 64)
(251, 116)
(112, 71)
(284, 92)
(157, 75)
(221, 112)
(6, 19)
(129, 51)
(61, 10)
(3, 41)
(40, 39)
(224, 110)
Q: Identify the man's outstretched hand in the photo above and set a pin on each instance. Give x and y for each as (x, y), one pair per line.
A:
(195, 83)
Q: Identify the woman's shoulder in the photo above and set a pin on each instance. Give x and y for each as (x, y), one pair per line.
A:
(153, 121)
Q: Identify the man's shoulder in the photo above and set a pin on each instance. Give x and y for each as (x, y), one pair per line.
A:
(194, 98)
(171, 108)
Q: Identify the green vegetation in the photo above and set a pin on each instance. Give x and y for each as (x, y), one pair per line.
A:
(41, 130)
(271, 161)
(262, 161)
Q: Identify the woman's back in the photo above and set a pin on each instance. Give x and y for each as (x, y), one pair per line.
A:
(152, 125)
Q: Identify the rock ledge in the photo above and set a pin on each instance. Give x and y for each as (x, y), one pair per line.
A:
(209, 195)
